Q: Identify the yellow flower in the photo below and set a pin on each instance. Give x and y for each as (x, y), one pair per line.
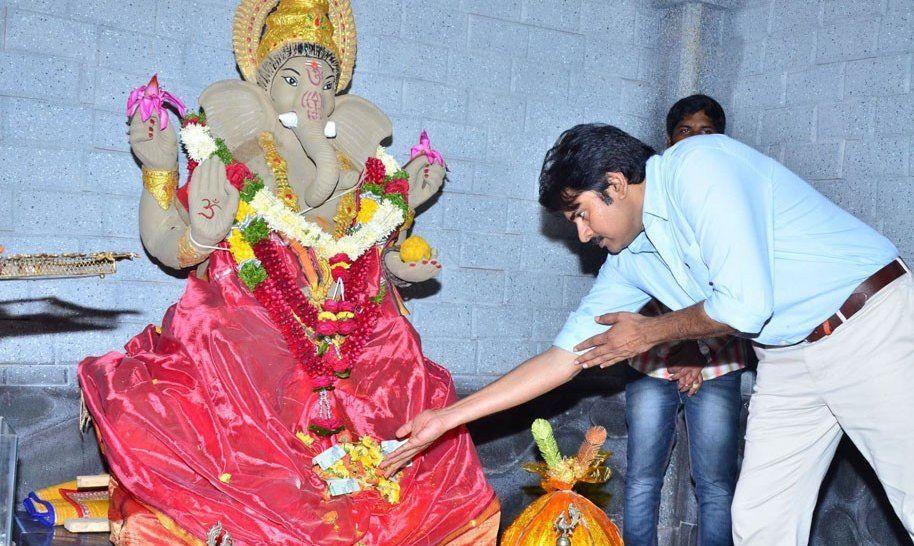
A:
(389, 490)
(305, 438)
(225, 478)
(367, 209)
(338, 469)
(239, 248)
(326, 315)
(243, 210)
(415, 249)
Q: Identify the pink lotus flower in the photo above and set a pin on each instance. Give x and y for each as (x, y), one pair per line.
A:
(425, 147)
(151, 99)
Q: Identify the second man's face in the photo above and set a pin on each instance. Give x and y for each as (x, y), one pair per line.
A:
(694, 124)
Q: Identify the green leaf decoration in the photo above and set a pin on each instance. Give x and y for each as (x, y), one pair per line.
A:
(250, 188)
(375, 189)
(545, 441)
(252, 273)
(400, 175)
(397, 199)
(255, 231)
(198, 117)
(325, 432)
(379, 297)
(222, 151)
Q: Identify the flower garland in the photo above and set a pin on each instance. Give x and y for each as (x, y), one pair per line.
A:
(359, 463)
(325, 337)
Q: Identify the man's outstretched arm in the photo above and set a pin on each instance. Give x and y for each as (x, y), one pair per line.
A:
(536, 376)
(632, 334)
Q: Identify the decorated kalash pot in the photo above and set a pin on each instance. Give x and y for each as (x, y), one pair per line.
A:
(260, 408)
(562, 517)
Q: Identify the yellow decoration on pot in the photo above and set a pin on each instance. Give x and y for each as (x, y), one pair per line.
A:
(414, 249)
(562, 516)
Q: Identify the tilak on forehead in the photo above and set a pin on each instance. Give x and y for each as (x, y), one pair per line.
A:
(321, 29)
(315, 73)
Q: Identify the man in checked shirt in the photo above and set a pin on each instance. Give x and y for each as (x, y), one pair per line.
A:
(699, 377)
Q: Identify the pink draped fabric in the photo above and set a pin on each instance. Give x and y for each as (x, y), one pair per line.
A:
(217, 393)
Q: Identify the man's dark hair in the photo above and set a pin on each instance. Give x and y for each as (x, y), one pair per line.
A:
(580, 159)
(693, 105)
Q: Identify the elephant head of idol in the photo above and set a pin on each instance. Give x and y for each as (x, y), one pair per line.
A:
(296, 57)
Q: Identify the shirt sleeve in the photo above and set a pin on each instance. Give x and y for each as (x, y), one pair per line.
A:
(610, 293)
(729, 206)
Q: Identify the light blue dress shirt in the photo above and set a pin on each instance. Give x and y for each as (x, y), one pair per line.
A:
(728, 226)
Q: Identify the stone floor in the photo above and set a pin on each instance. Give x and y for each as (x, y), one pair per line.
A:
(852, 509)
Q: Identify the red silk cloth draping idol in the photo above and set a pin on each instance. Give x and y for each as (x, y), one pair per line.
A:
(215, 393)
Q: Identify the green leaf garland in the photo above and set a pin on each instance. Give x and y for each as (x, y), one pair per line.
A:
(252, 273)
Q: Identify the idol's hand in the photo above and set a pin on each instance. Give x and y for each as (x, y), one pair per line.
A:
(628, 337)
(155, 148)
(427, 427)
(213, 203)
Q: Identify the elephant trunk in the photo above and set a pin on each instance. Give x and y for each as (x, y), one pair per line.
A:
(311, 136)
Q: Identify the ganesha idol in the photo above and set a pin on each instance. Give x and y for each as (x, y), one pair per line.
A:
(259, 410)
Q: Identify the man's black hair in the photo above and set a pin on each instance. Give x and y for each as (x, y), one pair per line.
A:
(692, 105)
(581, 158)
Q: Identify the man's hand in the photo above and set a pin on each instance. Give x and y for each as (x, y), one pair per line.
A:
(427, 427)
(689, 378)
(629, 336)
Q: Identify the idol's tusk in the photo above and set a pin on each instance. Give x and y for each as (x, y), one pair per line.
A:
(289, 120)
(330, 129)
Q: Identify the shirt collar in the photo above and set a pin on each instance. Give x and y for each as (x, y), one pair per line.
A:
(654, 198)
(641, 244)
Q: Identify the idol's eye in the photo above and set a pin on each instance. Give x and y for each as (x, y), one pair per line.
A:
(291, 81)
(328, 86)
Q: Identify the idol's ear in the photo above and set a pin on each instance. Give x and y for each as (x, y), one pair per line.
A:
(361, 127)
(238, 111)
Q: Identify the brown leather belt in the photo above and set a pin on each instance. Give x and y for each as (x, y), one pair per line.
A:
(857, 299)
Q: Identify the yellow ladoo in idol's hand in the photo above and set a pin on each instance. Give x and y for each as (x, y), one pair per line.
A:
(415, 249)
(561, 517)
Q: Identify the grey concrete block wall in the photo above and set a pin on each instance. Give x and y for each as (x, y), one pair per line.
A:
(494, 84)
(825, 86)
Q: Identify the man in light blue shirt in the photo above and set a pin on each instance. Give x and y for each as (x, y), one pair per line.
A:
(734, 243)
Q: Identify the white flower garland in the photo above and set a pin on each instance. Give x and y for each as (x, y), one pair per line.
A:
(390, 164)
(198, 141)
(200, 145)
(387, 218)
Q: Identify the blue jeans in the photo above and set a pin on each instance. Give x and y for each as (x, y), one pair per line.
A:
(712, 423)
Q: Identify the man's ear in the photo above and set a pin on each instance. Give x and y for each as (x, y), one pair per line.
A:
(617, 186)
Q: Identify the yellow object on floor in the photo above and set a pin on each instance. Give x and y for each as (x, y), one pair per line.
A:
(53, 505)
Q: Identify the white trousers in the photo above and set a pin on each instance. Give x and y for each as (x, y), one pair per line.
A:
(860, 381)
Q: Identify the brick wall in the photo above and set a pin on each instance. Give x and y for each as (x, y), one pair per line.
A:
(825, 86)
(493, 82)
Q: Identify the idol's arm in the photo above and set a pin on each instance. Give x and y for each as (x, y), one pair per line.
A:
(632, 334)
(536, 376)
